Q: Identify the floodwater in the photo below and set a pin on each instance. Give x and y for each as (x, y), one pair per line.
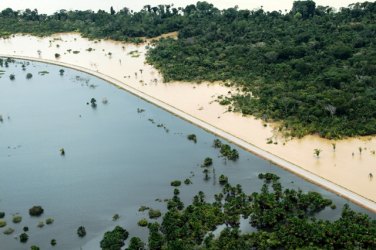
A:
(116, 158)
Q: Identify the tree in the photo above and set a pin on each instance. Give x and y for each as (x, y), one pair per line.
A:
(114, 240)
(305, 8)
(317, 152)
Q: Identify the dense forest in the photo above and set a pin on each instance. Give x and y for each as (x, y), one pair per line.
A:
(312, 68)
(284, 219)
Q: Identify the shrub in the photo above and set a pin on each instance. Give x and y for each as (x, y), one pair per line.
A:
(223, 179)
(175, 183)
(34, 248)
(114, 239)
(81, 231)
(36, 211)
(53, 242)
(154, 213)
(49, 221)
(2, 215)
(24, 237)
(29, 76)
(17, 218)
(143, 208)
(187, 181)
(25, 229)
(3, 223)
(8, 231)
(143, 222)
(208, 162)
(57, 55)
(41, 224)
(192, 137)
(12, 77)
(115, 217)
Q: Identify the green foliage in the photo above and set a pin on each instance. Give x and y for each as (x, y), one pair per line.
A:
(223, 179)
(36, 211)
(40, 224)
(81, 231)
(8, 231)
(53, 242)
(17, 218)
(143, 222)
(49, 221)
(34, 247)
(114, 240)
(176, 183)
(115, 217)
(3, 223)
(207, 162)
(29, 76)
(24, 237)
(135, 243)
(192, 137)
(154, 213)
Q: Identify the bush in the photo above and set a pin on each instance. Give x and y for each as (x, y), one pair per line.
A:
(34, 248)
(17, 218)
(3, 223)
(114, 239)
(81, 231)
(187, 181)
(24, 237)
(12, 77)
(53, 242)
(143, 208)
(36, 211)
(25, 229)
(8, 231)
(175, 183)
(49, 221)
(143, 222)
(223, 179)
(2, 215)
(57, 55)
(208, 162)
(154, 213)
(192, 137)
(115, 217)
(41, 224)
(29, 76)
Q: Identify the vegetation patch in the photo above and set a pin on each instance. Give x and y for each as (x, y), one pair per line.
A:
(36, 211)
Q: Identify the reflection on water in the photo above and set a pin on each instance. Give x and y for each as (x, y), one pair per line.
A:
(116, 159)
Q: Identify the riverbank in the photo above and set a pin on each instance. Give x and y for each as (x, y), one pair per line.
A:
(344, 170)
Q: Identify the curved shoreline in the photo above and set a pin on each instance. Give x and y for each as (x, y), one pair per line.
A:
(339, 190)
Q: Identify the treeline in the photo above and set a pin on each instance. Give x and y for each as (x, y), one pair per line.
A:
(284, 219)
(124, 25)
(312, 68)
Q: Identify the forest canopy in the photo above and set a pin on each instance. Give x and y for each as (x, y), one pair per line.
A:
(312, 68)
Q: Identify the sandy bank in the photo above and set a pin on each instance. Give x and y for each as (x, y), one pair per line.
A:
(344, 170)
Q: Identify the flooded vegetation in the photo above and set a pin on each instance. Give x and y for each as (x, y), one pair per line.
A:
(83, 166)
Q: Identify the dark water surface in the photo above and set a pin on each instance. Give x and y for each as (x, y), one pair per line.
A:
(116, 158)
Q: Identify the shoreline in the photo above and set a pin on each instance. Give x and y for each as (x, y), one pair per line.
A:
(317, 180)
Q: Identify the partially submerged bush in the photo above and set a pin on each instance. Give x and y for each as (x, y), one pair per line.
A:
(192, 137)
(223, 179)
(154, 213)
(81, 231)
(8, 231)
(176, 183)
(24, 237)
(49, 221)
(2, 215)
(114, 239)
(17, 218)
(3, 223)
(143, 222)
(41, 224)
(36, 211)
